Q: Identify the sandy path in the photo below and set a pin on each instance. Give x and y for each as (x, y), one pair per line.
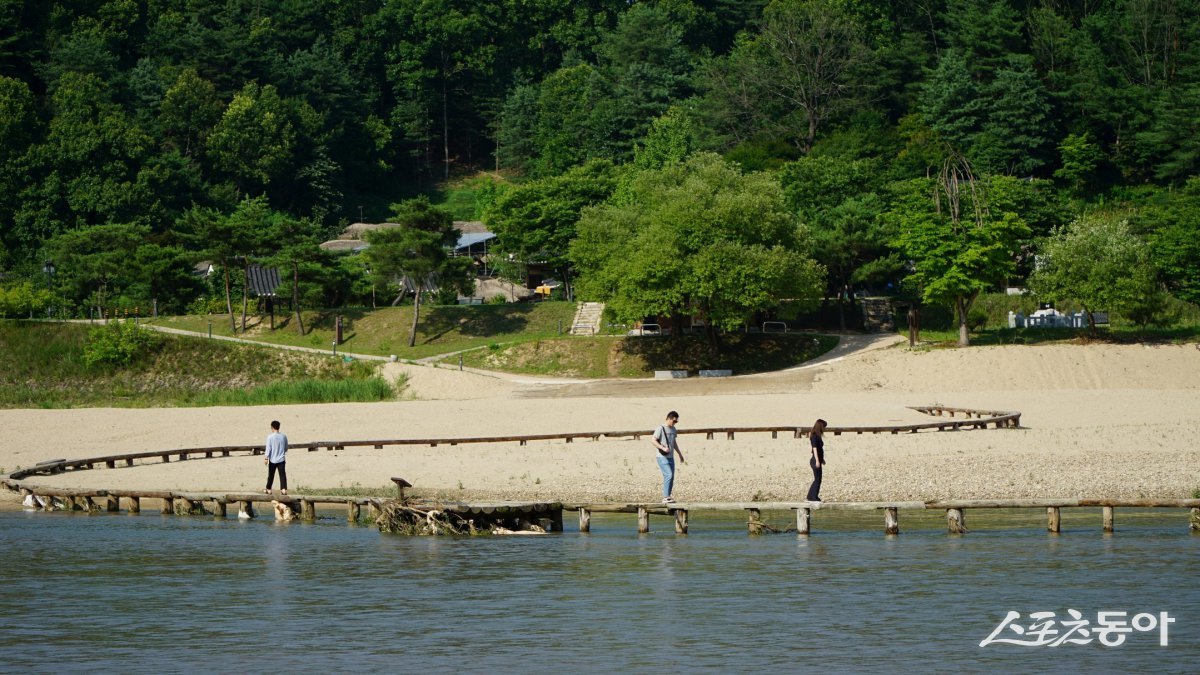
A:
(1098, 420)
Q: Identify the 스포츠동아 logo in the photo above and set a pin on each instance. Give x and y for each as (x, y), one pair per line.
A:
(1046, 629)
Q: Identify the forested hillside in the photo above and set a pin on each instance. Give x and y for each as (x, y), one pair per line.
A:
(938, 143)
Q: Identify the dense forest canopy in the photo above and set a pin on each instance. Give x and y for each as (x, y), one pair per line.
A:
(161, 120)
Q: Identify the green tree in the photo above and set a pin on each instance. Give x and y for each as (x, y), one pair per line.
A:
(986, 32)
(670, 139)
(1079, 159)
(160, 277)
(1018, 131)
(227, 239)
(516, 147)
(18, 129)
(695, 238)
(801, 71)
(1171, 225)
(250, 228)
(417, 253)
(957, 244)
(950, 102)
(18, 117)
(95, 263)
(646, 65)
(189, 110)
(255, 140)
(1097, 261)
(440, 51)
(838, 200)
(86, 170)
(297, 248)
(572, 126)
(537, 221)
(23, 299)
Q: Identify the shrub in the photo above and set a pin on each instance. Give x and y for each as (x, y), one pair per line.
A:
(977, 319)
(119, 343)
(19, 300)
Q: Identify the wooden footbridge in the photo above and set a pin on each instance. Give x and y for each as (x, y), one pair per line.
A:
(955, 511)
(966, 419)
(551, 513)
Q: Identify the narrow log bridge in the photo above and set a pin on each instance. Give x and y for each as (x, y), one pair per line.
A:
(549, 514)
(970, 419)
(955, 510)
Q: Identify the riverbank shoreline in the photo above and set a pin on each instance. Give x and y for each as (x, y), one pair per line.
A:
(1098, 421)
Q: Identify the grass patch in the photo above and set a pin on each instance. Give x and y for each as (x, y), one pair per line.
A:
(384, 331)
(634, 357)
(355, 490)
(1036, 336)
(302, 391)
(467, 197)
(42, 365)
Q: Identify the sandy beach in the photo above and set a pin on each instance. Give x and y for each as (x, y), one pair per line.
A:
(1097, 421)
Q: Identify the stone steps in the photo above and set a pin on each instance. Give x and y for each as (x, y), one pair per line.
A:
(587, 318)
(877, 315)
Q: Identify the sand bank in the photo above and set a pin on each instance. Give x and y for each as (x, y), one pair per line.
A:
(1098, 421)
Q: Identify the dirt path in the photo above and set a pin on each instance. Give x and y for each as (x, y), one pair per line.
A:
(799, 378)
(429, 381)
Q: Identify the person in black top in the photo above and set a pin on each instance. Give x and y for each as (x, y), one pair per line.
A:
(817, 461)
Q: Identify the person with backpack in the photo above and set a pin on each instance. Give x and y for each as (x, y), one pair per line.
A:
(667, 445)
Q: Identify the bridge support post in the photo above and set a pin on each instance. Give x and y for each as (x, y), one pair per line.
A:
(1107, 516)
(754, 524)
(956, 521)
(891, 520)
(1053, 519)
(681, 521)
(803, 520)
(643, 520)
(585, 520)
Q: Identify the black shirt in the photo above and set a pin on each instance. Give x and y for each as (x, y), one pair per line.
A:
(819, 444)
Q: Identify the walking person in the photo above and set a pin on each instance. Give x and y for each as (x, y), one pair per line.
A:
(667, 445)
(816, 437)
(276, 458)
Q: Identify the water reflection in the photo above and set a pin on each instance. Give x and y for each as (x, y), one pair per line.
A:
(199, 593)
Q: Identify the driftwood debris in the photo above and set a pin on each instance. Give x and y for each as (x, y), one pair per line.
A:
(283, 511)
(406, 517)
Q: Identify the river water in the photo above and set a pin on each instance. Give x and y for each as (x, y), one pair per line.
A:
(151, 593)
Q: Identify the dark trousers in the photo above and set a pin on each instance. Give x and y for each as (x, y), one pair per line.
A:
(271, 468)
(814, 490)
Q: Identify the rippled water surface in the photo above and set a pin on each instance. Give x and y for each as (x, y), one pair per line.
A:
(157, 593)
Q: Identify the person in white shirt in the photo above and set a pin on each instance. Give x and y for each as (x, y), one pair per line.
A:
(276, 458)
